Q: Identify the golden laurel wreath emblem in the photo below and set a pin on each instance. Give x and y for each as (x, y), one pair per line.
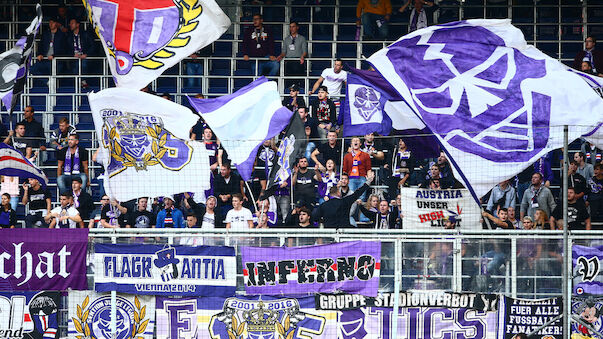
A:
(158, 149)
(82, 327)
(284, 330)
(189, 11)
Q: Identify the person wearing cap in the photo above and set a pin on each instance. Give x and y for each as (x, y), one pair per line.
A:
(295, 46)
(169, 216)
(206, 215)
(53, 43)
(141, 217)
(294, 100)
(325, 112)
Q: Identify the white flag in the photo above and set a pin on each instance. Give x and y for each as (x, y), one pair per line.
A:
(144, 146)
(143, 39)
(495, 103)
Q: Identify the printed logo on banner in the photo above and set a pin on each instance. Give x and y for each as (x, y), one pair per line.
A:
(33, 318)
(367, 107)
(143, 45)
(280, 318)
(426, 208)
(589, 315)
(93, 320)
(588, 279)
(588, 268)
(139, 141)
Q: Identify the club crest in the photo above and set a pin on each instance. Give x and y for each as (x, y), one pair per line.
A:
(366, 101)
(141, 141)
(475, 80)
(257, 319)
(285, 150)
(141, 34)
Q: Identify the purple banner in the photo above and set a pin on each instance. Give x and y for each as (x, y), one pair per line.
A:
(351, 267)
(43, 259)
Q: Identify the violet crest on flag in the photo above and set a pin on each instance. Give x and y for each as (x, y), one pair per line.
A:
(490, 98)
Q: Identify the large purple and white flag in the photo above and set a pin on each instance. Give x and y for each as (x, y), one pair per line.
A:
(144, 146)
(244, 119)
(14, 164)
(14, 64)
(353, 267)
(495, 103)
(144, 38)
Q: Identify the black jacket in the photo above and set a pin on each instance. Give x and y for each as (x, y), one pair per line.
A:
(59, 44)
(335, 212)
(86, 205)
(392, 217)
(86, 41)
(199, 211)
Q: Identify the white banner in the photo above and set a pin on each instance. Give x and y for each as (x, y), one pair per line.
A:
(90, 315)
(426, 208)
(144, 145)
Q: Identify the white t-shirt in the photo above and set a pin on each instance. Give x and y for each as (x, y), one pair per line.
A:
(334, 81)
(209, 221)
(71, 211)
(238, 219)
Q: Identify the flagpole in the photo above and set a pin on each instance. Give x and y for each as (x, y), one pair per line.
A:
(252, 197)
(566, 285)
(341, 158)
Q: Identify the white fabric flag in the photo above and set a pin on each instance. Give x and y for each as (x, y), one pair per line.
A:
(495, 103)
(144, 145)
(143, 39)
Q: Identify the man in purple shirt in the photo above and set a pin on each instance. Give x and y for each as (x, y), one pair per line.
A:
(258, 42)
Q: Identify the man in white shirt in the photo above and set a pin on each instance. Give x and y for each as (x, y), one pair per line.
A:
(64, 216)
(239, 217)
(333, 78)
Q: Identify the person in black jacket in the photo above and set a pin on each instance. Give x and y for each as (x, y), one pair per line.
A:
(335, 212)
(53, 43)
(206, 215)
(384, 218)
(80, 44)
(82, 201)
(225, 185)
(8, 216)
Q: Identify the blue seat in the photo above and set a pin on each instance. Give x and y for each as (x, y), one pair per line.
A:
(346, 33)
(219, 67)
(321, 50)
(318, 66)
(347, 14)
(222, 49)
(346, 51)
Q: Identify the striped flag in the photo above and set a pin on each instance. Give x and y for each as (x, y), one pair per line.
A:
(244, 119)
(14, 164)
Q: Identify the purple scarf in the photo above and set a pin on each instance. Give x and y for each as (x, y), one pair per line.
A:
(76, 162)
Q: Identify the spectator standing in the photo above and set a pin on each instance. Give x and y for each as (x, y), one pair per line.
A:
(335, 212)
(95, 221)
(374, 16)
(575, 180)
(384, 218)
(258, 42)
(595, 197)
(502, 196)
(225, 186)
(239, 217)
(420, 15)
(81, 45)
(169, 216)
(584, 169)
(333, 78)
(592, 153)
(38, 201)
(502, 221)
(72, 161)
(326, 179)
(208, 216)
(141, 217)
(303, 222)
(513, 217)
(82, 201)
(113, 215)
(311, 129)
(436, 174)
(304, 191)
(53, 43)
(591, 55)
(65, 215)
(537, 196)
(330, 150)
(33, 129)
(356, 164)
(325, 112)
(399, 169)
(374, 149)
(59, 138)
(577, 214)
(294, 100)
(295, 46)
(541, 220)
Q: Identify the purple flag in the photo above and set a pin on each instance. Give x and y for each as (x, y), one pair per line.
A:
(353, 267)
(244, 119)
(43, 259)
(587, 261)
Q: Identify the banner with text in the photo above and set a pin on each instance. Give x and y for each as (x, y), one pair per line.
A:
(349, 266)
(587, 317)
(165, 270)
(243, 318)
(90, 315)
(527, 315)
(43, 259)
(426, 208)
(588, 273)
(483, 302)
(29, 315)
